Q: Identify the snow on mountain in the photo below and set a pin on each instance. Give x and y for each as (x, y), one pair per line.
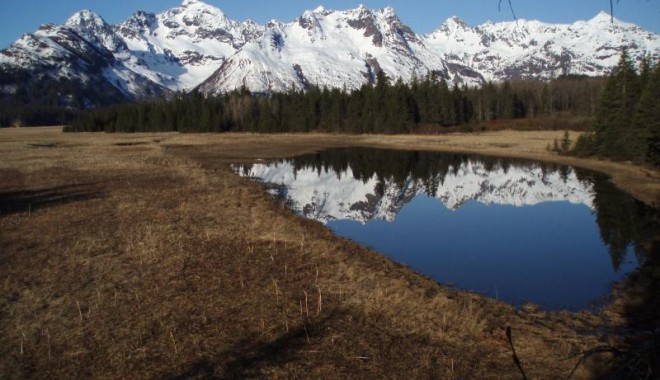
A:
(336, 49)
(183, 46)
(91, 27)
(78, 53)
(195, 44)
(525, 49)
(145, 56)
(327, 195)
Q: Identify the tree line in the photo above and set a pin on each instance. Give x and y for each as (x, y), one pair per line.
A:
(385, 106)
(627, 125)
(47, 101)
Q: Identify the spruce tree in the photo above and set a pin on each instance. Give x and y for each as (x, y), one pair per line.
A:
(613, 124)
(645, 143)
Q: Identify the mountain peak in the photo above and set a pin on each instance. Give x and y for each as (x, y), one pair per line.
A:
(605, 21)
(137, 23)
(452, 24)
(363, 10)
(197, 5)
(455, 20)
(602, 17)
(389, 11)
(86, 18)
(187, 3)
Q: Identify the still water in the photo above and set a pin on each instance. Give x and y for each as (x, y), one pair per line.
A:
(514, 230)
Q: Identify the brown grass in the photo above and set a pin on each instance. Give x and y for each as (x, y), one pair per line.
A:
(144, 256)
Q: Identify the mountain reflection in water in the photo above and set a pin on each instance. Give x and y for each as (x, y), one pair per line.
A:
(515, 230)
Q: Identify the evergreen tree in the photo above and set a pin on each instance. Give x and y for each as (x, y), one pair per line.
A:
(505, 103)
(645, 142)
(612, 131)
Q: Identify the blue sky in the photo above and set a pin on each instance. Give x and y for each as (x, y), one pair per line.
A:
(21, 16)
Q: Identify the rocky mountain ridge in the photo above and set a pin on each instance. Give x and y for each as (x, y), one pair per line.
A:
(525, 49)
(195, 45)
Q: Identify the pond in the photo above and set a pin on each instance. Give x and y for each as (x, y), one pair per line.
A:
(514, 230)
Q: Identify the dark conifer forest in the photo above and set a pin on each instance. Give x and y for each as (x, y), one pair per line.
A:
(623, 110)
(50, 101)
(384, 107)
(627, 126)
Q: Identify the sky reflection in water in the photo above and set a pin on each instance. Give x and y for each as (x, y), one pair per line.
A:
(550, 254)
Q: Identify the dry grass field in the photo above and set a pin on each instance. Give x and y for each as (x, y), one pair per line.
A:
(144, 256)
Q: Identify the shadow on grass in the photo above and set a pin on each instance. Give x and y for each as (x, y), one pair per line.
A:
(31, 200)
(247, 358)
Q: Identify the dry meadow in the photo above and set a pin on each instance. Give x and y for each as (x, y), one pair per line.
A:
(145, 256)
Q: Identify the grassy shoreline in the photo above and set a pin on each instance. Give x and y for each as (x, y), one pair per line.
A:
(144, 256)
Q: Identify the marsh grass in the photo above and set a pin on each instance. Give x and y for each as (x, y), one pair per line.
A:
(183, 269)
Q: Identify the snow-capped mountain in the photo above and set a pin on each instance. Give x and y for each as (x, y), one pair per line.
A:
(86, 62)
(183, 46)
(336, 49)
(327, 195)
(534, 50)
(148, 55)
(73, 55)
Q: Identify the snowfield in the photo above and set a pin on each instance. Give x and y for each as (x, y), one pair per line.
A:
(195, 45)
